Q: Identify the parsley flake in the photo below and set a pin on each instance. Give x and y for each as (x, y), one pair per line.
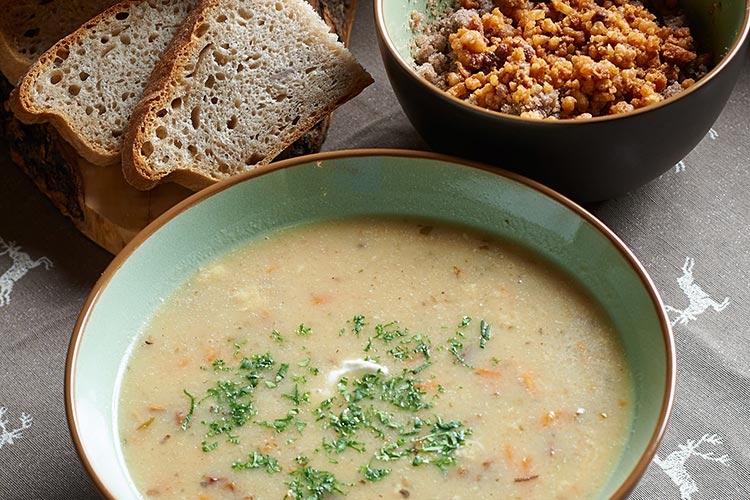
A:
(258, 461)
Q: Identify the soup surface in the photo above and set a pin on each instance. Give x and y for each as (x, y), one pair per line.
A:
(372, 359)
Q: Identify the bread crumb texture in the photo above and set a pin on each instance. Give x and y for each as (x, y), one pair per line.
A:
(559, 59)
(252, 77)
(93, 78)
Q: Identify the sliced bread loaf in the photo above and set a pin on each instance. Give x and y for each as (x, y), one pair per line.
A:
(29, 27)
(241, 80)
(87, 84)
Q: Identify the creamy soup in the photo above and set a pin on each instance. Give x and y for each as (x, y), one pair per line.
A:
(371, 359)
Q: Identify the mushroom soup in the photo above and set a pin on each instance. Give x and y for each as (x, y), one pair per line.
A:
(376, 358)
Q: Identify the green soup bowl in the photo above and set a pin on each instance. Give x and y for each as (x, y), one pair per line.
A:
(349, 184)
(589, 159)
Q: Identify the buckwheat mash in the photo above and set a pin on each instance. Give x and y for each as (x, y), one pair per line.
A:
(376, 358)
(559, 59)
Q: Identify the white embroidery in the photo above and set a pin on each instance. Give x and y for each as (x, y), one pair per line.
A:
(698, 300)
(7, 436)
(22, 263)
(713, 134)
(674, 464)
(680, 166)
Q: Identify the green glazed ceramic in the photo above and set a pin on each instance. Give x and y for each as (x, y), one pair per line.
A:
(358, 183)
(588, 160)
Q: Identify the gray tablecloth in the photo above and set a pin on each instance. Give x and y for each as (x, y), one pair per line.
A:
(689, 228)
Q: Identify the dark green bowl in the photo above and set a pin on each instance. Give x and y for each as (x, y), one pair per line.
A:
(588, 160)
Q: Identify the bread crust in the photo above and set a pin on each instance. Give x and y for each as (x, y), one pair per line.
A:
(134, 168)
(157, 96)
(26, 110)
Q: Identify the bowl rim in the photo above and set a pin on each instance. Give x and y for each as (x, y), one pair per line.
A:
(111, 270)
(388, 45)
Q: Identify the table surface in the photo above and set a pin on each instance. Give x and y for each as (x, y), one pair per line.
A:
(689, 228)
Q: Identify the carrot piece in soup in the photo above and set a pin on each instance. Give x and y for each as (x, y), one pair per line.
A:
(528, 380)
(550, 418)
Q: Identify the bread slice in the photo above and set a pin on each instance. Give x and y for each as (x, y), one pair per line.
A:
(88, 83)
(241, 80)
(29, 27)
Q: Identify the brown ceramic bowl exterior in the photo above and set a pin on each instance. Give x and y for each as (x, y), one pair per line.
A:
(587, 160)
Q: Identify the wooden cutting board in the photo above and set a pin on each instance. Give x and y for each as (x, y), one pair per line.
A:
(97, 199)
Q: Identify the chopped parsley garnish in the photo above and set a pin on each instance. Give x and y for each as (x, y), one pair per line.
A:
(257, 362)
(456, 345)
(421, 367)
(283, 368)
(255, 365)
(313, 484)
(233, 402)
(238, 347)
(209, 447)
(422, 347)
(281, 424)
(387, 406)
(186, 421)
(357, 322)
(406, 348)
(220, 364)
(348, 421)
(485, 333)
(341, 444)
(439, 446)
(392, 451)
(303, 331)
(401, 391)
(388, 332)
(258, 461)
(297, 397)
(373, 474)
(400, 352)
(311, 369)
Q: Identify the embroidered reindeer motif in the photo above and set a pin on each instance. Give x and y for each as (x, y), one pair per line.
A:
(8, 437)
(674, 464)
(698, 300)
(22, 263)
